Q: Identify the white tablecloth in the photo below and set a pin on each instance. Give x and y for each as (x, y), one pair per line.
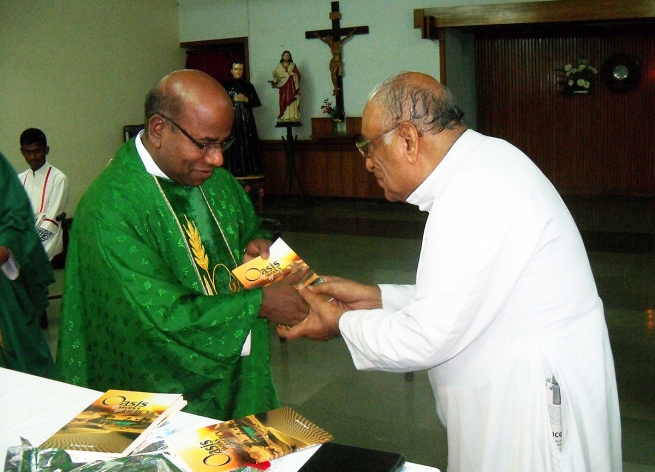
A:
(35, 408)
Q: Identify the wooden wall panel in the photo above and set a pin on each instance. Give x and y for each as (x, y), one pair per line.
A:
(325, 168)
(600, 143)
(531, 12)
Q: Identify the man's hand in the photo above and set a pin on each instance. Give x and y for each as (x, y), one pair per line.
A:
(349, 294)
(322, 323)
(281, 302)
(256, 248)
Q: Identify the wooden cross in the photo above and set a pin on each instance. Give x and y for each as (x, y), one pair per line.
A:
(333, 38)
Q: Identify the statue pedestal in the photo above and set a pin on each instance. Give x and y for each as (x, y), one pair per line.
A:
(291, 176)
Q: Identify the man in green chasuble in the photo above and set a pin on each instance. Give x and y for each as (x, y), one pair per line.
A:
(150, 303)
(25, 273)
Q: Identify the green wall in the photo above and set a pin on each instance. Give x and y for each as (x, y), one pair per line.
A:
(80, 70)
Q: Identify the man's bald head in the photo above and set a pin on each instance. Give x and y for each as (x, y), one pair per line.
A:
(181, 90)
(419, 99)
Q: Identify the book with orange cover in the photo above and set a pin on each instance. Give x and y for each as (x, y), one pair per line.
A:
(114, 425)
(253, 439)
(282, 261)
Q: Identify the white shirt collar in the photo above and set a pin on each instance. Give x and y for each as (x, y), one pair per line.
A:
(147, 159)
(424, 195)
(44, 168)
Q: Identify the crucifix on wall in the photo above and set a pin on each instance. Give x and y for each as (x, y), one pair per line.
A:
(335, 38)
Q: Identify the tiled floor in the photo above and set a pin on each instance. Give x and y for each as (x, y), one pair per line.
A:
(381, 242)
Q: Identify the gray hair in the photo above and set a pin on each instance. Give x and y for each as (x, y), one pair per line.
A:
(430, 109)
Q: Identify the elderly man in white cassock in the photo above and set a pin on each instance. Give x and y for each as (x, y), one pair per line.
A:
(504, 314)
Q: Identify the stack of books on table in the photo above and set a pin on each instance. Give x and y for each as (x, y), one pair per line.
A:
(114, 425)
(120, 423)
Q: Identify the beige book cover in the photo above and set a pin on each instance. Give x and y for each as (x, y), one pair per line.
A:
(282, 261)
(250, 440)
(114, 425)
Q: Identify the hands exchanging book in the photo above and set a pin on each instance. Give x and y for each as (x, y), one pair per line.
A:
(281, 302)
(291, 288)
(322, 323)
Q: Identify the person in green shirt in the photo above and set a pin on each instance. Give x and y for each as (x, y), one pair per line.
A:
(25, 273)
(150, 303)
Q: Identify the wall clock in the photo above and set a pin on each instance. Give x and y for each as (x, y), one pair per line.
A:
(621, 72)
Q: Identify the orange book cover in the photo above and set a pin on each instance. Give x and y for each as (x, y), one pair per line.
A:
(250, 440)
(282, 261)
(114, 425)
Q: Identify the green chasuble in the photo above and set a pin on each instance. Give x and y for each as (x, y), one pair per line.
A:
(23, 345)
(148, 302)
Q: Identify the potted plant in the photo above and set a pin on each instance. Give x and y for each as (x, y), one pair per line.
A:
(335, 113)
(578, 79)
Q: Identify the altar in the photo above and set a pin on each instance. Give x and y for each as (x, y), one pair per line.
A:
(35, 408)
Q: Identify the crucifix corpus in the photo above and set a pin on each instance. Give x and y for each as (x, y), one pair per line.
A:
(335, 38)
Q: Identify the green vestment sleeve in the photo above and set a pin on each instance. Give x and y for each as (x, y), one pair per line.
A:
(23, 345)
(136, 312)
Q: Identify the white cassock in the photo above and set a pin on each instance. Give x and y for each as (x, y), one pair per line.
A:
(48, 192)
(504, 298)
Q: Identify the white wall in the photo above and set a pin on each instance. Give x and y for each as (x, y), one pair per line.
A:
(79, 70)
(214, 19)
(392, 45)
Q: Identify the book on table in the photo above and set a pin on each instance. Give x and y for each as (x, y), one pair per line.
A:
(282, 261)
(114, 425)
(254, 439)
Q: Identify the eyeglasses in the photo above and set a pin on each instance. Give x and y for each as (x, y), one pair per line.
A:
(223, 146)
(363, 145)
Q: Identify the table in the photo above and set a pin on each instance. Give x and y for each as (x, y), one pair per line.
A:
(35, 408)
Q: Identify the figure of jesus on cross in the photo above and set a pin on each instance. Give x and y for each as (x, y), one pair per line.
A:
(333, 38)
(336, 66)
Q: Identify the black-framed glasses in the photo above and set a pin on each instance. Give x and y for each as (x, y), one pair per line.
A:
(223, 146)
(362, 146)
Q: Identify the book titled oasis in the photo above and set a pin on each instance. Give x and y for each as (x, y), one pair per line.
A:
(282, 261)
(114, 425)
(253, 439)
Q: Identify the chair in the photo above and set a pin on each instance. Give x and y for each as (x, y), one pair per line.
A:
(254, 187)
(59, 261)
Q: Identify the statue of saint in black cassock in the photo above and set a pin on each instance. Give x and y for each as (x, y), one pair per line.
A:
(244, 157)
